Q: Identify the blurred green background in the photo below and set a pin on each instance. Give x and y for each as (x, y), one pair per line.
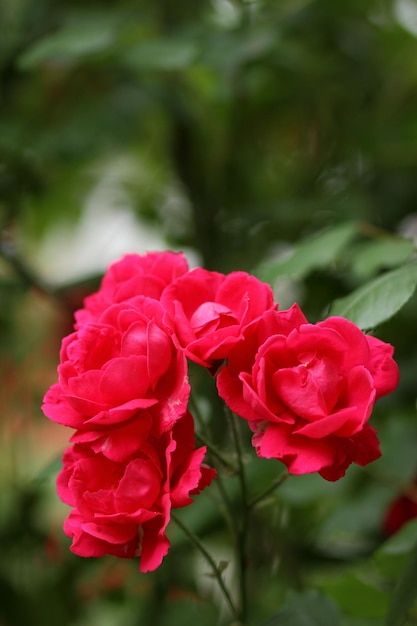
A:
(233, 130)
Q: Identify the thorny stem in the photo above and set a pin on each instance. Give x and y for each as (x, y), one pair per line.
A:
(216, 571)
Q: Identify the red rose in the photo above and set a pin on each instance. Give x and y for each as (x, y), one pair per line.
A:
(133, 275)
(308, 390)
(210, 311)
(123, 508)
(124, 363)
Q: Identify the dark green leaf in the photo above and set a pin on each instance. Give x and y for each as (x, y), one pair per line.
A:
(162, 54)
(307, 609)
(370, 601)
(71, 43)
(319, 251)
(391, 557)
(405, 593)
(377, 301)
(383, 253)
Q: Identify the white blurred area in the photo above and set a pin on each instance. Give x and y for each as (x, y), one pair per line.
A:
(107, 230)
(406, 15)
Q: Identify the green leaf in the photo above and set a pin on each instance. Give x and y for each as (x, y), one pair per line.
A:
(319, 251)
(308, 609)
(372, 256)
(378, 300)
(405, 593)
(370, 602)
(391, 558)
(221, 566)
(162, 54)
(71, 43)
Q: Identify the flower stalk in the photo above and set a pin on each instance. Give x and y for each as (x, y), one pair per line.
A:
(211, 562)
(264, 494)
(242, 523)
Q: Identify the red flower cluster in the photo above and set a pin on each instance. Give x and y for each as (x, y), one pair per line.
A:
(307, 391)
(123, 386)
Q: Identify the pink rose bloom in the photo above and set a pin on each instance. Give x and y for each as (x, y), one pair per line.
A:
(123, 508)
(123, 364)
(308, 390)
(210, 311)
(133, 275)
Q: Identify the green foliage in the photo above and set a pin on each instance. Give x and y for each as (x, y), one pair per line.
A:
(357, 597)
(393, 554)
(378, 300)
(74, 43)
(308, 609)
(405, 593)
(382, 253)
(320, 251)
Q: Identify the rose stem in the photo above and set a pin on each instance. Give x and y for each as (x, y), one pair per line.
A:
(216, 571)
(202, 438)
(242, 526)
(261, 496)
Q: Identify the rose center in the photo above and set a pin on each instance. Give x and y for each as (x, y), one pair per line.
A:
(211, 316)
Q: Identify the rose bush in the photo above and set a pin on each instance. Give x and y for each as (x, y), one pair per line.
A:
(123, 363)
(123, 507)
(308, 390)
(210, 311)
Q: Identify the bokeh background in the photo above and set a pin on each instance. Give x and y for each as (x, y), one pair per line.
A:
(232, 130)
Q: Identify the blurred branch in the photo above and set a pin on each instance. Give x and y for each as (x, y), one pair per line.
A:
(9, 254)
(69, 298)
(190, 170)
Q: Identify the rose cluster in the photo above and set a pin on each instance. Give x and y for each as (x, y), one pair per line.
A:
(123, 386)
(306, 390)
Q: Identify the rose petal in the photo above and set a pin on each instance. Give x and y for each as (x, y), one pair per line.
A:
(383, 368)
(139, 486)
(155, 543)
(300, 454)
